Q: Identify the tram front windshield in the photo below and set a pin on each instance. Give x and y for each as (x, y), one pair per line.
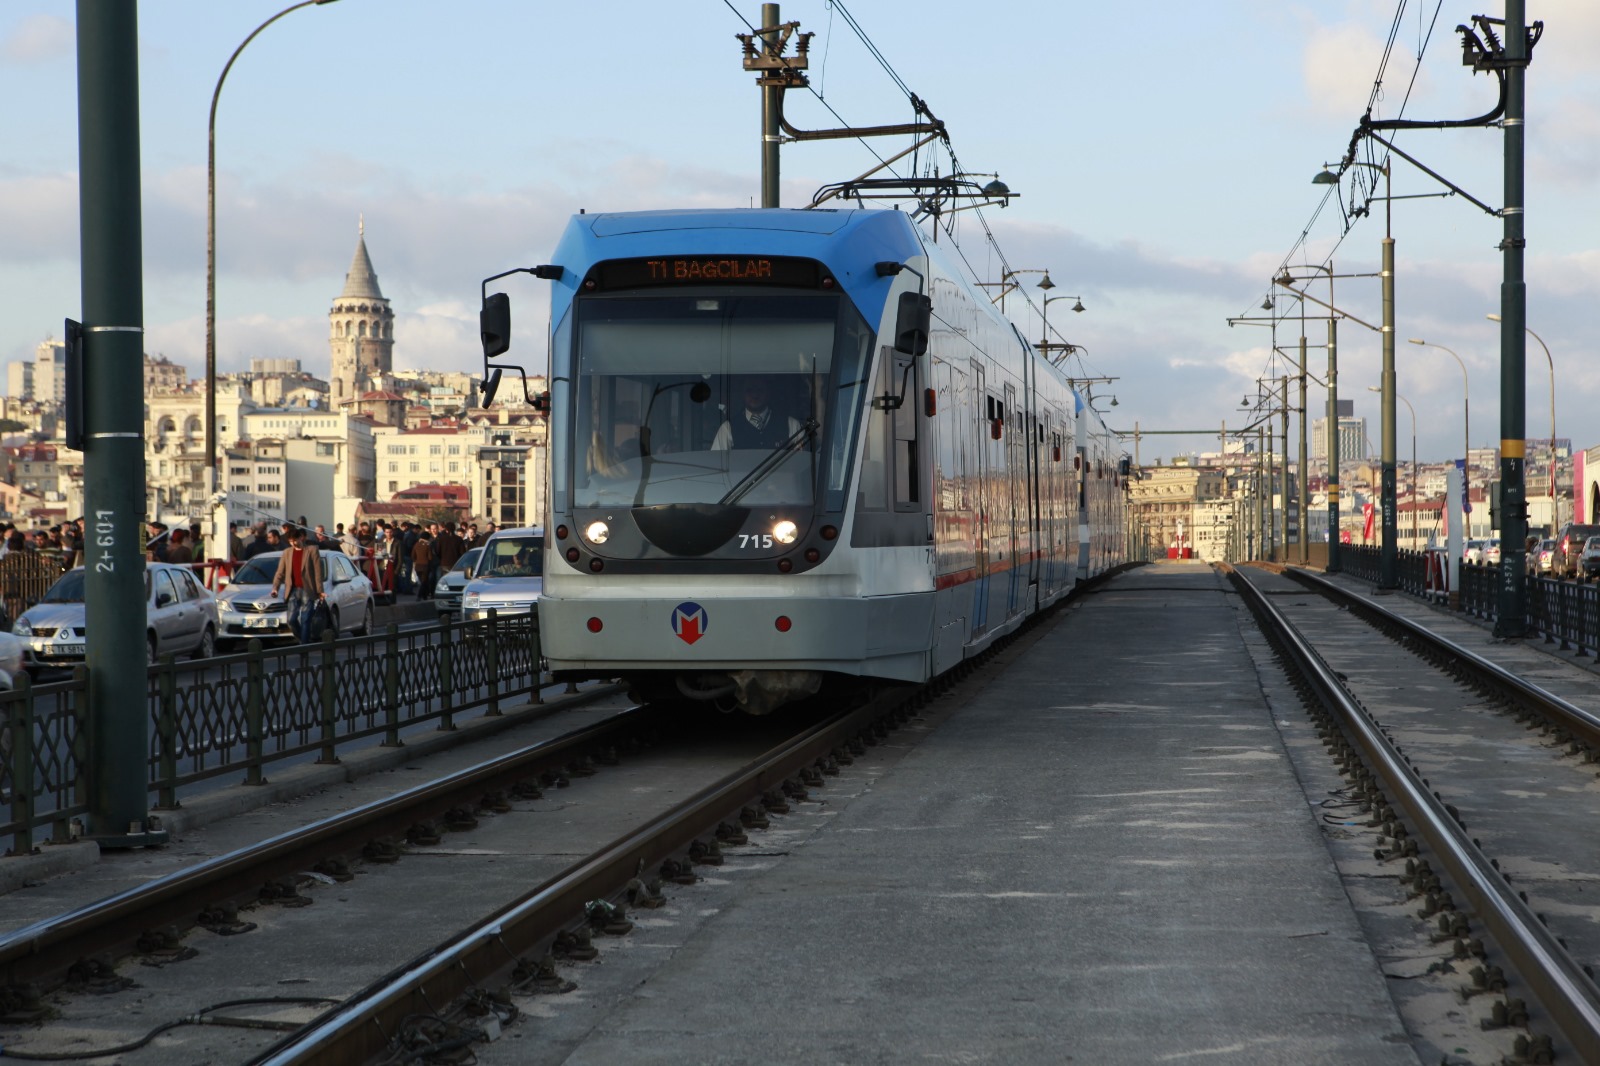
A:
(716, 398)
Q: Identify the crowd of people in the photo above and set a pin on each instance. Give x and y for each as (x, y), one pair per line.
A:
(407, 557)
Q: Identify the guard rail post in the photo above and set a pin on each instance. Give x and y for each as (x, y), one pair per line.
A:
(391, 686)
(19, 720)
(447, 687)
(166, 734)
(330, 701)
(254, 713)
(491, 656)
(82, 744)
(533, 654)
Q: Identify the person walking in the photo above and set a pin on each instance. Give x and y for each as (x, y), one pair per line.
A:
(300, 575)
(422, 564)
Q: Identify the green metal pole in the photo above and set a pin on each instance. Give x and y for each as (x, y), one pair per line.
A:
(113, 483)
(1334, 563)
(1388, 557)
(770, 97)
(1511, 617)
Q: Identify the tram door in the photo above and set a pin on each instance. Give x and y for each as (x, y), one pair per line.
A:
(1016, 476)
(983, 407)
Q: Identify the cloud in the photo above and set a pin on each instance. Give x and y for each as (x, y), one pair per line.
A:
(38, 39)
(1338, 68)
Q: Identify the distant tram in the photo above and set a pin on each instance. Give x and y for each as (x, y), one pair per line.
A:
(788, 447)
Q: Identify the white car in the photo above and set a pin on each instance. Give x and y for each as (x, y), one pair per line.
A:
(509, 576)
(1473, 553)
(1491, 551)
(247, 608)
(180, 617)
(447, 593)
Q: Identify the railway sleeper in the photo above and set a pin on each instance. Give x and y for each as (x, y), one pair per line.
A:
(21, 1004)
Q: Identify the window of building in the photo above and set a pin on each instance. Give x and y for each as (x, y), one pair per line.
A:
(413, 468)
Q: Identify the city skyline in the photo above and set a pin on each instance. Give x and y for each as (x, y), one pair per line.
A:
(1159, 179)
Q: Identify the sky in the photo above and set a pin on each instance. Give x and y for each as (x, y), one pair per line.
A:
(1162, 164)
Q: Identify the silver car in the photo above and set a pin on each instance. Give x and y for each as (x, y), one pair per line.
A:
(180, 617)
(509, 576)
(247, 607)
(447, 593)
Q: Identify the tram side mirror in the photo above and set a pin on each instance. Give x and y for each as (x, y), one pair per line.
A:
(541, 401)
(912, 323)
(489, 386)
(494, 325)
(1124, 465)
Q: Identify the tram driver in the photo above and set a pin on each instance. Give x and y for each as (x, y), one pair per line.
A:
(755, 424)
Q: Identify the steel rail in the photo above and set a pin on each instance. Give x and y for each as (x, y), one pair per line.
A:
(1568, 995)
(1584, 725)
(40, 953)
(360, 1028)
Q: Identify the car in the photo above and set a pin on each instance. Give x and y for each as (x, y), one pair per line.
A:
(447, 593)
(1569, 542)
(1539, 556)
(1491, 551)
(1473, 553)
(247, 608)
(509, 575)
(1589, 558)
(180, 617)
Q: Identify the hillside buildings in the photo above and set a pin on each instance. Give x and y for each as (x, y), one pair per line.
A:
(291, 444)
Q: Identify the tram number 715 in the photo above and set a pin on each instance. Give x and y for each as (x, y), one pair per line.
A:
(755, 540)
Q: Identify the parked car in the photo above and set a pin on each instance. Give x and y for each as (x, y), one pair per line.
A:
(1569, 543)
(447, 592)
(247, 608)
(1491, 551)
(509, 575)
(1539, 557)
(1473, 553)
(180, 617)
(1589, 558)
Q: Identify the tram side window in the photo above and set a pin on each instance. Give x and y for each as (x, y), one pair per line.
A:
(877, 458)
(907, 469)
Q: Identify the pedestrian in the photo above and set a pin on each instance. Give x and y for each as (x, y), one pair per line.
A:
(235, 544)
(448, 547)
(422, 563)
(178, 550)
(300, 575)
(257, 542)
(410, 531)
(349, 543)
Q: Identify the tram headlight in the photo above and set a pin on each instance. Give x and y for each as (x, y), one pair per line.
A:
(785, 531)
(597, 532)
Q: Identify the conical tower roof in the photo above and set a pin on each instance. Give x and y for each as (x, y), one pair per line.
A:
(362, 281)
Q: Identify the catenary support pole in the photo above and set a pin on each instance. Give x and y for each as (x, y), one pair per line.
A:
(113, 319)
(1511, 617)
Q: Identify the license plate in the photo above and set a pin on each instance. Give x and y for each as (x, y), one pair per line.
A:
(261, 623)
(64, 649)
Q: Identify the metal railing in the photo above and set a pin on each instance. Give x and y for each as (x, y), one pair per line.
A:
(243, 712)
(1562, 612)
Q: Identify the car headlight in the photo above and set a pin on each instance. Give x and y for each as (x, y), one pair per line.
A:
(470, 600)
(23, 628)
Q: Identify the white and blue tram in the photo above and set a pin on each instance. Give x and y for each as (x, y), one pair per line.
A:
(787, 446)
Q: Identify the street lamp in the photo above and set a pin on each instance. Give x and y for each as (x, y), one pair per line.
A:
(211, 250)
(1413, 410)
(1555, 517)
(1045, 346)
(1466, 423)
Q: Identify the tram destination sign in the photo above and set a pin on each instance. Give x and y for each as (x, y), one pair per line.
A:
(788, 271)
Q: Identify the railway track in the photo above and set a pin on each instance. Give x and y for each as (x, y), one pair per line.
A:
(1475, 790)
(419, 923)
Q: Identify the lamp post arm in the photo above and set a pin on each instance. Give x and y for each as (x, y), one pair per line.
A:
(1336, 310)
(211, 246)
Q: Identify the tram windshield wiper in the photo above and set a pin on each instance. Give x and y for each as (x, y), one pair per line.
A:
(759, 473)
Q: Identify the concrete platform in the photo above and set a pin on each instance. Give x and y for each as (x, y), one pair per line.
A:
(1104, 857)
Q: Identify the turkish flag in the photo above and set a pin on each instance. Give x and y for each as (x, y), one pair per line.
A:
(1366, 530)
